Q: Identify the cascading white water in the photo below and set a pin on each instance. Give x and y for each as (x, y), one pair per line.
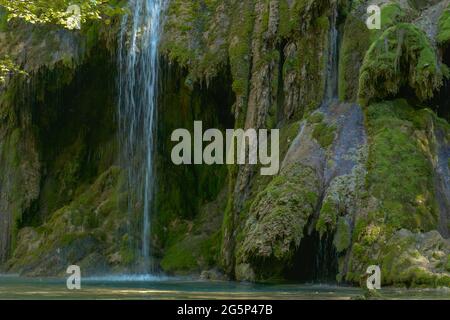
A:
(138, 88)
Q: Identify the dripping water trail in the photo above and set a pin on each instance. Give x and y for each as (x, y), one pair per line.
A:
(316, 259)
(331, 86)
(138, 84)
(325, 260)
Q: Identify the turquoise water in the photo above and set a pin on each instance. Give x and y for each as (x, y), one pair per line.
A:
(149, 287)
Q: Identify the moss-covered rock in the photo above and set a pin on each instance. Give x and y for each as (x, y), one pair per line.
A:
(401, 57)
(396, 151)
(343, 235)
(357, 39)
(196, 36)
(447, 265)
(406, 259)
(443, 36)
(397, 228)
(355, 43)
(88, 231)
(415, 259)
(276, 222)
(324, 134)
(20, 184)
(304, 69)
(194, 245)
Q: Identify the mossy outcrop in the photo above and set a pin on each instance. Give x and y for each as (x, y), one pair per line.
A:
(443, 36)
(357, 39)
(19, 182)
(406, 145)
(275, 223)
(400, 216)
(401, 57)
(90, 232)
(194, 245)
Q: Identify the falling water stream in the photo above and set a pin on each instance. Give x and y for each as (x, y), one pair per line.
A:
(331, 89)
(321, 263)
(325, 254)
(138, 89)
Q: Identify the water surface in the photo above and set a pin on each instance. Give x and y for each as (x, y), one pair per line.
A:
(150, 287)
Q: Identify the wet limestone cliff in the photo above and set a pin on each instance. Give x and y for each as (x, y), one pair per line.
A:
(364, 142)
(60, 187)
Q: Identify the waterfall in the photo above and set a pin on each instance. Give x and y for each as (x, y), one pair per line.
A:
(137, 114)
(324, 263)
(331, 88)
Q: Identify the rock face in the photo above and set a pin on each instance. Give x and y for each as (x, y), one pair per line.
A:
(60, 192)
(349, 174)
(19, 158)
(275, 223)
(88, 231)
(364, 143)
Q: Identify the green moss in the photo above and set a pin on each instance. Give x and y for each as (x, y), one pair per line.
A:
(179, 258)
(342, 237)
(178, 50)
(127, 254)
(210, 249)
(324, 134)
(68, 239)
(396, 152)
(190, 40)
(287, 135)
(447, 266)
(316, 117)
(399, 264)
(57, 152)
(327, 219)
(402, 56)
(399, 209)
(285, 23)
(75, 231)
(3, 20)
(311, 64)
(239, 52)
(275, 223)
(357, 39)
(443, 35)
(391, 14)
(19, 178)
(298, 15)
(194, 245)
(355, 43)
(198, 37)
(192, 252)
